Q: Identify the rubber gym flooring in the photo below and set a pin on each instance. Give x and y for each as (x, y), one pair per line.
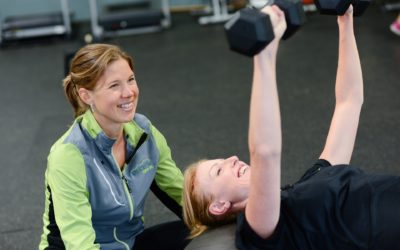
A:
(197, 93)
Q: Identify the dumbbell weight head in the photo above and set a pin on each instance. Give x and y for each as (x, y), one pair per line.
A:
(332, 7)
(359, 6)
(339, 7)
(294, 15)
(249, 31)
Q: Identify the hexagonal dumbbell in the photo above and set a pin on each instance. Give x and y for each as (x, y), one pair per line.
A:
(339, 7)
(250, 30)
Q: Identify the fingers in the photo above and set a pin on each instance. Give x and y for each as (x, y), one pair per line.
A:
(277, 17)
(350, 10)
(278, 11)
(274, 12)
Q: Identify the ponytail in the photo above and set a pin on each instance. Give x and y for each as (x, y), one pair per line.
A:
(71, 92)
(195, 206)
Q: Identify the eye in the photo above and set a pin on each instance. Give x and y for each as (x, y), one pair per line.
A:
(131, 80)
(113, 85)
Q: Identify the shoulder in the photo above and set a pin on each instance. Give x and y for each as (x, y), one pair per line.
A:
(146, 125)
(65, 161)
(247, 238)
(149, 128)
(66, 148)
(142, 121)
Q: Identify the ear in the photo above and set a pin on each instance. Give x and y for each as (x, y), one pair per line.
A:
(219, 207)
(85, 95)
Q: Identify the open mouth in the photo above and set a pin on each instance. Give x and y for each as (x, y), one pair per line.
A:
(126, 106)
(242, 170)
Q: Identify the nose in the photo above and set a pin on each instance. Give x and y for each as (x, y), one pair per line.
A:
(231, 161)
(127, 90)
(228, 166)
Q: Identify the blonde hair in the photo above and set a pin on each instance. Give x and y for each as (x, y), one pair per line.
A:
(86, 68)
(196, 203)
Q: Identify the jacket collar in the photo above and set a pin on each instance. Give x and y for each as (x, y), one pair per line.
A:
(132, 132)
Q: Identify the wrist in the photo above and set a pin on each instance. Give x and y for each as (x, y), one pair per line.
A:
(270, 51)
(345, 21)
(346, 27)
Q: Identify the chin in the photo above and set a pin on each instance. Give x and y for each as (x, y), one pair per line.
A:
(127, 117)
(130, 117)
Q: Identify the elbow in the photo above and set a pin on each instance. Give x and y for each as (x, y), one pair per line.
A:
(359, 101)
(353, 97)
(265, 152)
(356, 102)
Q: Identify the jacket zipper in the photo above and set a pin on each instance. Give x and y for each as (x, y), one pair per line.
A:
(127, 189)
(127, 183)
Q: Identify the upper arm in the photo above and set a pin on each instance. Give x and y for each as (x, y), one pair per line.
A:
(263, 206)
(342, 133)
(66, 179)
(169, 177)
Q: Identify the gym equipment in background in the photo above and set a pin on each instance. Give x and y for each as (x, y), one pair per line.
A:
(38, 25)
(220, 13)
(391, 6)
(142, 17)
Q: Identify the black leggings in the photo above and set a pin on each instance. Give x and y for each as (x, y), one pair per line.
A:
(166, 236)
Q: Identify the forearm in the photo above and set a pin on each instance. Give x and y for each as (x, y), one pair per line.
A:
(349, 82)
(265, 125)
(265, 122)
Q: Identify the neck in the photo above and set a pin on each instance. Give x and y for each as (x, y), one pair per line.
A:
(239, 206)
(113, 131)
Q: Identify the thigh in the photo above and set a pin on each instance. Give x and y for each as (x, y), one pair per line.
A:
(166, 236)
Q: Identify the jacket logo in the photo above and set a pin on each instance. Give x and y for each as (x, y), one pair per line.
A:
(143, 167)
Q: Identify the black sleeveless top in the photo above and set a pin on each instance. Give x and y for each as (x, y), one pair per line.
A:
(335, 208)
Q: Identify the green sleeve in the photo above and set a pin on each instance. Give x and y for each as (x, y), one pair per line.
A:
(66, 177)
(169, 177)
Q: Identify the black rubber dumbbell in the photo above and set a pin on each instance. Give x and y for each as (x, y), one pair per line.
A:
(339, 7)
(250, 30)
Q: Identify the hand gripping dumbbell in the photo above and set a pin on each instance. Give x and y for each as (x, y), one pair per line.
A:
(339, 7)
(250, 30)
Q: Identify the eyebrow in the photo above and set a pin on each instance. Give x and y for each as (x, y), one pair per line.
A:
(112, 82)
(118, 80)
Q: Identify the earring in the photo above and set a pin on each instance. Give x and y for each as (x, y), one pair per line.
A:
(91, 107)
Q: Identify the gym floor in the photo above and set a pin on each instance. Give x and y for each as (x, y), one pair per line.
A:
(197, 93)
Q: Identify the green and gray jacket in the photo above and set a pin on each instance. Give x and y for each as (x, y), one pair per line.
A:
(90, 202)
